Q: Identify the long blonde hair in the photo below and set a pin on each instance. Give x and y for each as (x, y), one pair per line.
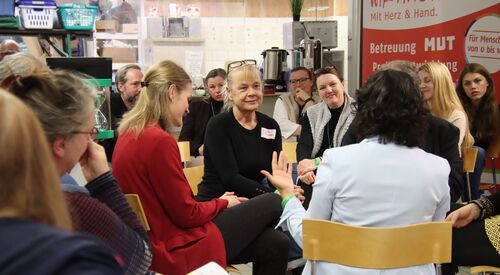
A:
(153, 102)
(445, 100)
(29, 185)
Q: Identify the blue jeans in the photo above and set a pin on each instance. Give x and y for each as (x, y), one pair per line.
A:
(475, 177)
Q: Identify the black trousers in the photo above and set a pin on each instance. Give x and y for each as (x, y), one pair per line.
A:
(471, 247)
(249, 234)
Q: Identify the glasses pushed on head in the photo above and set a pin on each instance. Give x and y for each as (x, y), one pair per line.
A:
(236, 64)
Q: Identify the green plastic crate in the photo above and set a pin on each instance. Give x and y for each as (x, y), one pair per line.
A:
(77, 16)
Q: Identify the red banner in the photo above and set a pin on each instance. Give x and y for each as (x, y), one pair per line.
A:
(454, 32)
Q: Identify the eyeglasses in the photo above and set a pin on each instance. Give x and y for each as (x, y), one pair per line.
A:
(299, 81)
(237, 64)
(93, 134)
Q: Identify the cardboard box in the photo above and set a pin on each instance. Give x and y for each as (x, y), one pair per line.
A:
(130, 28)
(120, 55)
(107, 25)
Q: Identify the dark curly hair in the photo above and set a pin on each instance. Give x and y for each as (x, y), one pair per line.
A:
(390, 106)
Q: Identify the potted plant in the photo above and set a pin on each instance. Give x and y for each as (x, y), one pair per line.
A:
(296, 6)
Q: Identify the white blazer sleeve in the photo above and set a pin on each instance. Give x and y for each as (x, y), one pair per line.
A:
(321, 203)
(281, 116)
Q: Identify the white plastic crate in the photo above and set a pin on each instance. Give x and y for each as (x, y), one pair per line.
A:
(37, 17)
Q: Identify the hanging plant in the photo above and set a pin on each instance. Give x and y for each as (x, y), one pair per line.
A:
(296, 6)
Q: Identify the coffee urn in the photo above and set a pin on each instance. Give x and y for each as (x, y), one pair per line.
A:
(312, 53)
(275, 68)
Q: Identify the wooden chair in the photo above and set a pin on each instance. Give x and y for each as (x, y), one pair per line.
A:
(376, 247)
(135, 203)
(469, 158)
(492, 153)
(184, 151)
(194, 176)
(483, 269)
(290, 149)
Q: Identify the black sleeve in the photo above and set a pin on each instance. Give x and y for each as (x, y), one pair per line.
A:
(305, 141)
(188, 130)
(495, 201)
(449, 151)
(222, 156)
(106, 190)
(350, 136)
(278, 146)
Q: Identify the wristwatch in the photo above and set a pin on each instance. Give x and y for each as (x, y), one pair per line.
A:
(307, 100)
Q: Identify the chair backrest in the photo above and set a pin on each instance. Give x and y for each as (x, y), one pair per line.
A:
(135, 203)
(184, 151)
(194, 176)
(469, 158)
(494, 148)
(290, 149)
(377, 247)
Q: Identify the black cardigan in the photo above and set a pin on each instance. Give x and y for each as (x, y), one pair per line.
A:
(195, 123)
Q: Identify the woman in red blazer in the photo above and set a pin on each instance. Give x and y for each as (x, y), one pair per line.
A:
(186, 234)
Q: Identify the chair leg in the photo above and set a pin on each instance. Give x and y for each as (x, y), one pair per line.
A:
(439, 270)
(494, 174)
(468, 187)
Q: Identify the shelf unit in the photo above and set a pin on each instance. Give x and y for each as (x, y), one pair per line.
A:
(176, 40)
(116, 35)
(132, 38)
(47, 33)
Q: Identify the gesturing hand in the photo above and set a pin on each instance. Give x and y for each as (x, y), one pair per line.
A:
(282, 174)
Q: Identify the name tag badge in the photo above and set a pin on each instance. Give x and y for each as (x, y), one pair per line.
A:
(267, 133)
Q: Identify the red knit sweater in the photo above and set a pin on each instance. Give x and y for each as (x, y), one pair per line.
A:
(182, 235)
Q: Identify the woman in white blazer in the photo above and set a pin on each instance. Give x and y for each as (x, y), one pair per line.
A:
(386, 180)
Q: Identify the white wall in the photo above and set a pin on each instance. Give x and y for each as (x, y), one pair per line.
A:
(240, 38)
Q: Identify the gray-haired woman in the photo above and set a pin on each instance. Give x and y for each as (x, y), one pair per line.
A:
(65, 107)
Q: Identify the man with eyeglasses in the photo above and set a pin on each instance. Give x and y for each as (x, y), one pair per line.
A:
(128, 85)
(290, 106)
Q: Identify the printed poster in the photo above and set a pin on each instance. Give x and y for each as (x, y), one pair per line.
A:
(454, 32)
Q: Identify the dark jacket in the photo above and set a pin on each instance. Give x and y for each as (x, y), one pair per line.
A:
(441, 140)
(195, 123)
(101, 210)
(32, 248)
